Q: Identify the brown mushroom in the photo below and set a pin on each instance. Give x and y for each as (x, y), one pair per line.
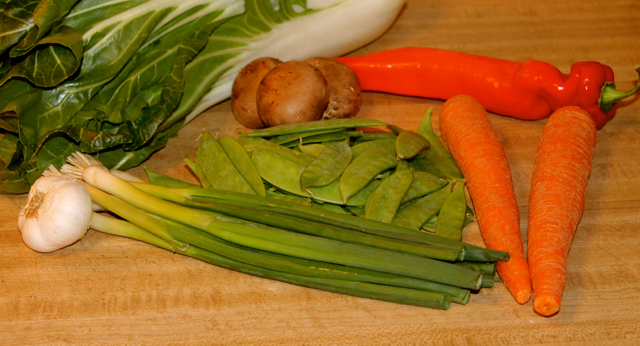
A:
(292, 92)
(345, 95)
(243, 93)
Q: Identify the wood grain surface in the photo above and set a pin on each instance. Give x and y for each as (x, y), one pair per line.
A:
(106, 290)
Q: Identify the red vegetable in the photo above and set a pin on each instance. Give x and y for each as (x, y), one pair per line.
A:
(561, 171)
(528, 90)
(475, 146)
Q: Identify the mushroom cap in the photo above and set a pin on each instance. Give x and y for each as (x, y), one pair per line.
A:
(345, 94)
(244, 91)
(292, 92)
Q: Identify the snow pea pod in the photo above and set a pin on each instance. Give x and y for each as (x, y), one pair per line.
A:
(272, 193)
(312, 149)
(438, 155)
(360, 148)
(420, 163)
(250, 143)
(166, 181)
(416, 213)
(197, 170)
(452, 215)
(385, 200)
(423, 184)
(375, 136)
(217, 167)
(242, 162)
(295, 137)
(331, 137)
(328, 206)
(285, 174)
(364, 169)
(327, 167)
(319, 125)
(410, 144)
(403, 165)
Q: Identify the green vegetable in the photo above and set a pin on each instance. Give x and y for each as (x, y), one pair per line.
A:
(364, 169)
(385, 200)
(437, 156)
(327, 167)
(148, 68)
(416, 213)
(410, 144)
(452, 215)
(204, 196)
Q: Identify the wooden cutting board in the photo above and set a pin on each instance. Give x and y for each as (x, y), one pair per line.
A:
(106, 290)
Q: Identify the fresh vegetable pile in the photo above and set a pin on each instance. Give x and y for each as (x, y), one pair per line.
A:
(117, 79)
(380, 175)
(325, 220)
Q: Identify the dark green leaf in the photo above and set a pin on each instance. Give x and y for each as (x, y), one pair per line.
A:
(53, 60)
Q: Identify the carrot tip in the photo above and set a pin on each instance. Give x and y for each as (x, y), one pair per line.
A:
(522, 297)
(546, 306)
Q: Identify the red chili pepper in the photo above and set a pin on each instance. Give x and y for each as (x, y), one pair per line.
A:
(528, 90)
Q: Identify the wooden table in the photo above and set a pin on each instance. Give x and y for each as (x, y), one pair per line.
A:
(106, 290)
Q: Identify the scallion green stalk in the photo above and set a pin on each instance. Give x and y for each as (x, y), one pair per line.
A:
(201, 196)
(360, 289)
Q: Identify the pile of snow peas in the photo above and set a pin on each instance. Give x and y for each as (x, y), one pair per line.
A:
(350, 181)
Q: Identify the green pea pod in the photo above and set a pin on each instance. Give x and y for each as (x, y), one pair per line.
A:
(385, 200)
(250, 143)
(395, 129)
(218, 168)
(360, 198)
(417, 212)
(312, 149)
(285, 174)
(328, 206)
(295, 137)
(364, 169)
(319, 125)
(163, 180)
(242, 162)
(423, 184)
(356, 210)
(197, 170)
(327, 167)
(290, 198)
(375, 136)
(452, 215)
(410, 144)
(362, 147)
(431, 224)
(403, 165)
(331, 137)
(420, 163)
(438, 155)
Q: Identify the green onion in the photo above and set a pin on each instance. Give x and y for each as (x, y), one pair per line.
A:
(361, 289)
(189, 196)
(332, 232)
(288, 243)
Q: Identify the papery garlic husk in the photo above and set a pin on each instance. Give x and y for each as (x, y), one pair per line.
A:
(57, 214)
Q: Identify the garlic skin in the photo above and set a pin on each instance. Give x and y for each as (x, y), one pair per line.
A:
(57, 214)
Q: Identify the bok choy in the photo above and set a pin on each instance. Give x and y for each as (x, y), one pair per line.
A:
(117, 79)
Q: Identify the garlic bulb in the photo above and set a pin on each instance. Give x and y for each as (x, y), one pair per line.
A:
(57, 214)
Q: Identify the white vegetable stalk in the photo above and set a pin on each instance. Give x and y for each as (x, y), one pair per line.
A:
(337, 28)
(57, 214)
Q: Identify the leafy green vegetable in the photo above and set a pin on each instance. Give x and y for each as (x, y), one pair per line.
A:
(117, 78)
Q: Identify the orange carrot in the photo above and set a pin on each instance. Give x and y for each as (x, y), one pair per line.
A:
(476, 148)
(556, 203)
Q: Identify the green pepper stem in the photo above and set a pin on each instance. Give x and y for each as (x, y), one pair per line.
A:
(611, 96)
